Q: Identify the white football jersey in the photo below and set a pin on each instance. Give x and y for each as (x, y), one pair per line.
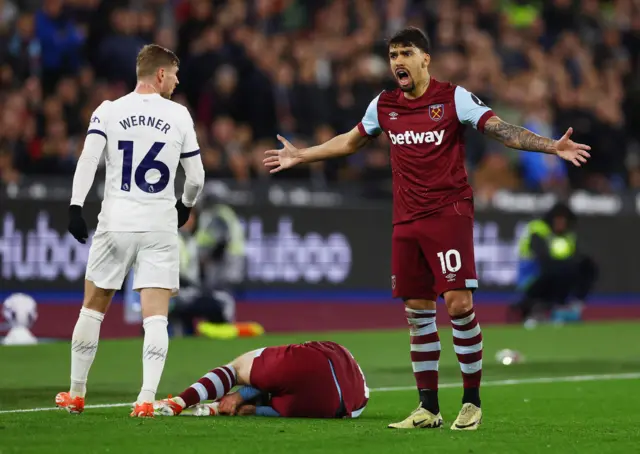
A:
(147, 137)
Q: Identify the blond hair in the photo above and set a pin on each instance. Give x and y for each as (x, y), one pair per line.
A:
(153, 57)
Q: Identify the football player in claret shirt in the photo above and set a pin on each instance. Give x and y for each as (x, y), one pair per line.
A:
(309, 380)
(432, 240)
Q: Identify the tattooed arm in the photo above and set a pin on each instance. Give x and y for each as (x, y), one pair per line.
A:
(521, 138)
(518, 137)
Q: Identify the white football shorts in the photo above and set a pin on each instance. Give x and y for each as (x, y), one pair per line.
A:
(154, 257)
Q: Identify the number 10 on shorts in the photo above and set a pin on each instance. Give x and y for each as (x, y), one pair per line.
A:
(450, 261)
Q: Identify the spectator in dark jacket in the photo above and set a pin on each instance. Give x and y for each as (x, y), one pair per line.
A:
(61, 43)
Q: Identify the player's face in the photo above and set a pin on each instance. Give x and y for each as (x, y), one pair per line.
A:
(409, 66)
(168, 81)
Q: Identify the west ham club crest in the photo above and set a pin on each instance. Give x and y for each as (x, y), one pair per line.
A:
(436, 112)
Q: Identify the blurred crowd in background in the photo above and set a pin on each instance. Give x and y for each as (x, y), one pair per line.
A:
(307, 69)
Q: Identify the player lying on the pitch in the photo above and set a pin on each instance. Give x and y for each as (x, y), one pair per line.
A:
(309, 380)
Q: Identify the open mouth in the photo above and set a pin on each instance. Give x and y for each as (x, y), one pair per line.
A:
(404, 79)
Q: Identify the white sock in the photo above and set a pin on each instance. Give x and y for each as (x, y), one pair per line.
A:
(84, 344)
(154, 354)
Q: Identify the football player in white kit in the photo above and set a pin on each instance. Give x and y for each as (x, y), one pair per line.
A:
(146, 136)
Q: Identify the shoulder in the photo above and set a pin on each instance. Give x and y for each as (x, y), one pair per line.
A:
(389, 96)
(171, 104)
(184, 111)
(461, 91)
(445, 88)
(176, 113)
(101, 114)
(104, 107)
(387, 100)
(443, 84)
(179, 111)
(122, 104)
(465, 99)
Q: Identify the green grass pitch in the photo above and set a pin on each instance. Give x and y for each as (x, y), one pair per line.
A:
(594, 413)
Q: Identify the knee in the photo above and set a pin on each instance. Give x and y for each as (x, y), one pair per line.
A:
(95, 306)
(420, 304)
(458, 301)
(98, 303)
(243, 365)
(96, 298)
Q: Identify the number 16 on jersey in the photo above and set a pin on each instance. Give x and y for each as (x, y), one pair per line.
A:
(148, 162)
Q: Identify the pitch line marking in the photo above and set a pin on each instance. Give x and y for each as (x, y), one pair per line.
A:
(508, 382)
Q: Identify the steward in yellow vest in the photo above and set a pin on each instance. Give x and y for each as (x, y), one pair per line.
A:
(551, 269)
(211, 250)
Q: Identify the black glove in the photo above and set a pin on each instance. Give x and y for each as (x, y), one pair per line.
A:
(183, 213)
(77, 226)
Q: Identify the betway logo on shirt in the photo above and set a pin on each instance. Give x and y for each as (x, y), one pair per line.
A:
(414, 138)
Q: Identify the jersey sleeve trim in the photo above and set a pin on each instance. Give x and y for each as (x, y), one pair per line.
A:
(190, 154)
(469, 108)
(363, 132)
(369, 125)
(483, 119)
(97, 131)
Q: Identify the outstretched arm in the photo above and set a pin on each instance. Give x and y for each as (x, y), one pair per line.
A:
(289, 156)
(521, 138)
(517, 137)
(342, 145)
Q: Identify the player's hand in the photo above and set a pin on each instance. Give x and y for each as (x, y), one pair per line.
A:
(183, 213)
(567, 149)
(77, 225)
(284, 158)
(229, 404)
